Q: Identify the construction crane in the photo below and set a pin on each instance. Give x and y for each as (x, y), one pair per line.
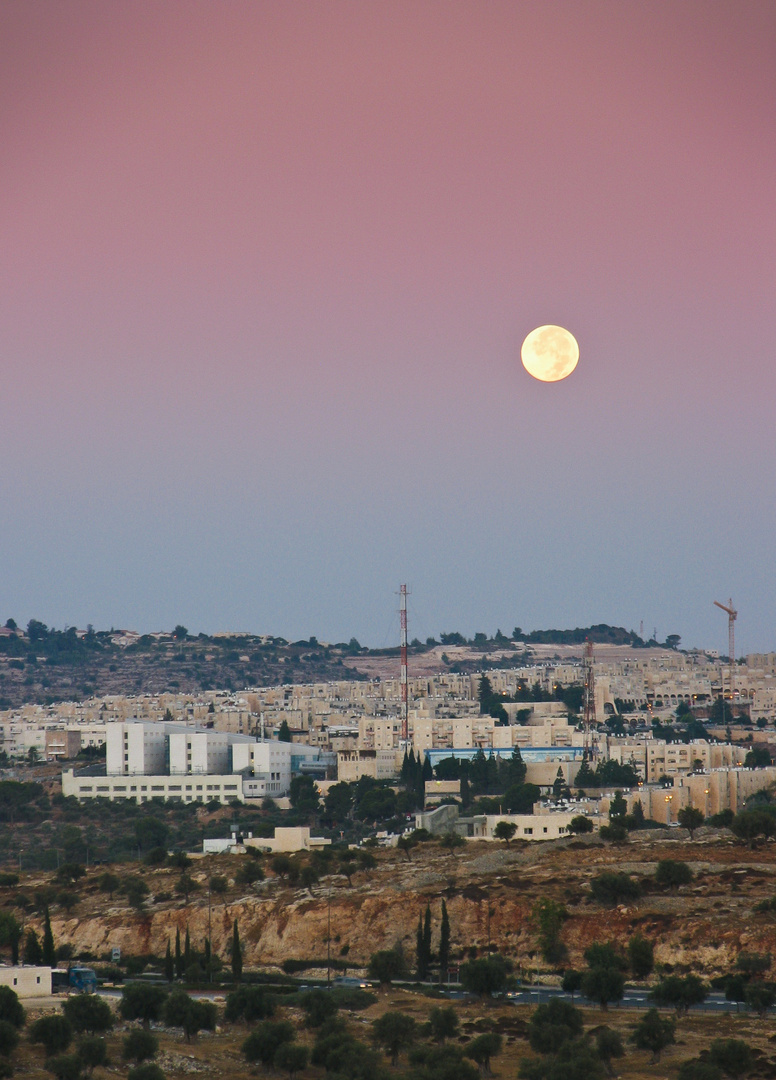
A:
(732, 615)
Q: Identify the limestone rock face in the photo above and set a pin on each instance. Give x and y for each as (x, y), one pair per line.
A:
(489, 890)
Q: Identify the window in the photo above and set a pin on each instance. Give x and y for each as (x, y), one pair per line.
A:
(528, 832)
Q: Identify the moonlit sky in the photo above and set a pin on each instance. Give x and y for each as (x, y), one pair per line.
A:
(265, 272)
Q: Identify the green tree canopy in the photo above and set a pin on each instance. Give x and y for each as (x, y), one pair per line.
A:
(394, 1031)
(654, 1032)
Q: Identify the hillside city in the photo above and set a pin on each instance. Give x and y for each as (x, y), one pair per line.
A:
(321, 876)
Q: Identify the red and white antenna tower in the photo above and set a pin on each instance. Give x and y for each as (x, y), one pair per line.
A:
(404, 686)
(591, 737)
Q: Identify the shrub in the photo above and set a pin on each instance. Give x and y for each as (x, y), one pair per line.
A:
(733, 1056)
(92, 1051)
(248, 1003)
(139, 1045)
(554, 1024)
(641, 956)
(580, 824)
(11, 1009)
(318, 1006)
(188, 1013)
(9, 1038)
(88, 1013)
(143, 1002)
(753, 964)
(263, 1042)
(443, 1023)
(611, 888)
(146, 1071)
(249, 873)
(290, 1057)
(65, 1067)
(672, 874)
(549, 916)
(603, 954)
(54, 1033)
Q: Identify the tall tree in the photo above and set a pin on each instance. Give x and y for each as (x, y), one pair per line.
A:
(178, 954)
(49, 951)
(420, 956)
(187, 950)
(237, 960)
(169, 967)
(444, 942)
(427, 938)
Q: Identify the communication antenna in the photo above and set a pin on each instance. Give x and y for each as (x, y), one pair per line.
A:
(590, 724)
(403, 677)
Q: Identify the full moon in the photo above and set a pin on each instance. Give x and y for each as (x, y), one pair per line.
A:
(549, 353)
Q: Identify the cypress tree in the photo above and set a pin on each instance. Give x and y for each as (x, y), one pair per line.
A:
(427, 939)
(420, 966)
(426, 771)
(169, 967)
(444, 942)
(178, 956)
(33, 954)
(49, 952)
(187, 951)
(237, 964)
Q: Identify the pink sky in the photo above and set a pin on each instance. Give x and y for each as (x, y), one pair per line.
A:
(266, 268)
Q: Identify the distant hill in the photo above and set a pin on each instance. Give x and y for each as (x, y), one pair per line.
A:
(45, 665)
(601, 633)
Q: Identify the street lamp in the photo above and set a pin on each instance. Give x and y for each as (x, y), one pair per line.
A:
(668, 809)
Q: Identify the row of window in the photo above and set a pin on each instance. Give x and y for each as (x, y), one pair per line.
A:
(121, 789)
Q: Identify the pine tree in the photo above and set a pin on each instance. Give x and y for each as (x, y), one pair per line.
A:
(178, 956)
(427, 939)
(237, 964)
(169, 967)
(49, 952)
(444, 942)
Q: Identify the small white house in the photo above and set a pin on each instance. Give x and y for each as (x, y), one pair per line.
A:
(27, 982)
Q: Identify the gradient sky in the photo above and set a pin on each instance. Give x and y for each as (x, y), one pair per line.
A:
(265, 270)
